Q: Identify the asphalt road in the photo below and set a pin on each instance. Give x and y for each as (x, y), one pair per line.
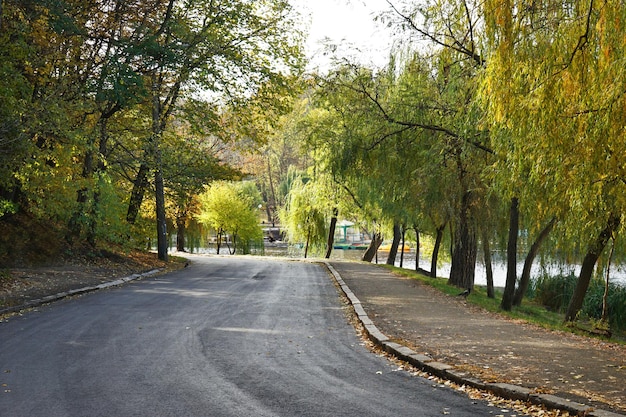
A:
(228, 336)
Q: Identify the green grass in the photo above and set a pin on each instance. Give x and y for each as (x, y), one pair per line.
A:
(530, 311)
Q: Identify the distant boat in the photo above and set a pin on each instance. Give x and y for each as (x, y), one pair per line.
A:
(350, 246)
(387, 248)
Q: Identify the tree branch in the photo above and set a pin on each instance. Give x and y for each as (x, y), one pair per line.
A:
(455, 45)
(583, 39)
(408, 124)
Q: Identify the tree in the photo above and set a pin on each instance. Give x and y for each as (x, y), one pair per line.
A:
(555, 110)
(203, 44)
(511, 271)
(227, 209)
(528, 261)
(192, 159)
(303, 216)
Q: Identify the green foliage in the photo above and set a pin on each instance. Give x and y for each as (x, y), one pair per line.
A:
(110, 212)
(552, 101)
(87, 89)
(554, 292)
(229, 209)
(7, 207)
(304, 217)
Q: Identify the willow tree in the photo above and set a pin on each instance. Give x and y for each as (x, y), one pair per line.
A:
(555, 84)
(303, 216)
(434, 101)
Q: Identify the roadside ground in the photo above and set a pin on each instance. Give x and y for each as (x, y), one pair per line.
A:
(483, 346)
(21, 285)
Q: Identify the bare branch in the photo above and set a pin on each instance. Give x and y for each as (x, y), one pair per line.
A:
(455, 45)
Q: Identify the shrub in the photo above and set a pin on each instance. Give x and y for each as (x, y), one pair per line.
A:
(555, 292)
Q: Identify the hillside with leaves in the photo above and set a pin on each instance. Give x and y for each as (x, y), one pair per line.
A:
(114, 114)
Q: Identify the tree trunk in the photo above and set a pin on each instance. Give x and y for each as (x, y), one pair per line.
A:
(160, 213)
(100, 169)
(218, 241)
(181, 228)
(331, 233)
(511, 257)
(435, 258)
(90, 167)
(402, 251)
(417, 248)
(589, 263)
(397, 234)
(464, 249)
(528, 262)
(271, 205)
(372, 249)
(605, 296)
(306, 246)
(488, 266)
(136, 196)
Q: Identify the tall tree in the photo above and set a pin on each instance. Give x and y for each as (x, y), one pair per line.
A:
(553, 87)
(200, 44)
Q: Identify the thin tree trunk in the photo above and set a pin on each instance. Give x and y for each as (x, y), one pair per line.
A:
(372, 249)
(435, 257)
(156, 158)
(162, 243)
(100, 169)
(589, 262)
(331, 233)
(306, 246)
(218, 241)
(271, 205)
(393, 251)
(90, 212)
(234, 244)
(417, 248)
(488, 265)
(402, 250)
(528, 262)
(511, 257)
(605, 296)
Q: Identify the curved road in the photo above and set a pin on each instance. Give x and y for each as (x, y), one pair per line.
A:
(228, 336)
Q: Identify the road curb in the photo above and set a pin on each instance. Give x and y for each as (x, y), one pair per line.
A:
(448, 372)
(56, 297)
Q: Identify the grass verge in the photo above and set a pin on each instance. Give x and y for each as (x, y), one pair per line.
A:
(529, 311)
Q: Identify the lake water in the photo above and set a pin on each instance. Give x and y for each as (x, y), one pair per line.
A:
(617, 275)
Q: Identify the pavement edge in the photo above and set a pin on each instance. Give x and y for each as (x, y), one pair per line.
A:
(78, 291)
(448, 372)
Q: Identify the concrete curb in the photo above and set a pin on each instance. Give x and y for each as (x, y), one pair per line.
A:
(78, 291)
(446, 371)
